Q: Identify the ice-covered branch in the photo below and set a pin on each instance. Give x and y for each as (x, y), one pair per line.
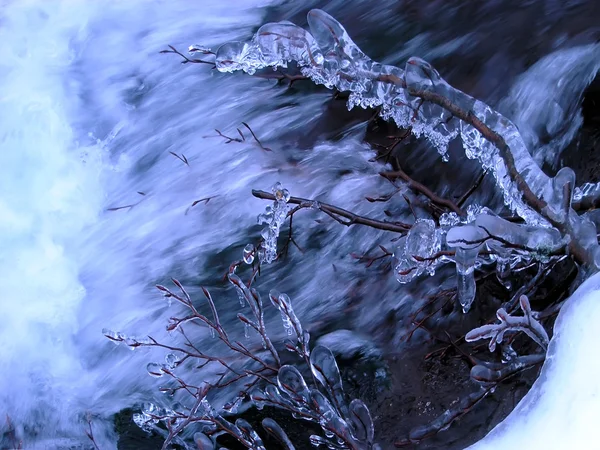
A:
(417, 98)
(265, 380)
(511, 324)
(338, 214)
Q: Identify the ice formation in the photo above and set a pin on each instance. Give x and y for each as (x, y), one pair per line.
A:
(416, 98)
(561, 409)
(426, 247)
(273, 218)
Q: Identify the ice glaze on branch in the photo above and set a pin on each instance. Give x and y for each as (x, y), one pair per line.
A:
(339, 214)
(417, 98)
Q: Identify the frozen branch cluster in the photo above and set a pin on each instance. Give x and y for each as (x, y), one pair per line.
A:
(512, 324)
(480, 237)
(486, 372)
(258, 372)
(417, 98)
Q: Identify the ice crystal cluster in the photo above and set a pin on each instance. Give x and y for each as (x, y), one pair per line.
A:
(273, 218)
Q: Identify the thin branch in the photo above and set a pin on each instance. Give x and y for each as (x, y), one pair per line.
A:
(267, 149)
(181, 158)
(461, 201)
(186, 60)
(421, 188)
(339, 214)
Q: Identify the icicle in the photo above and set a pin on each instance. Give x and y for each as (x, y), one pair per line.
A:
(467, 240)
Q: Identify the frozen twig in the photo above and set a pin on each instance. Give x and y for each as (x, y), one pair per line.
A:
(265, 380)
(338, 214)
(417, 98)
(511, 324)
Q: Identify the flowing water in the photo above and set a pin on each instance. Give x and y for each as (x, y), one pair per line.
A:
(89, 113)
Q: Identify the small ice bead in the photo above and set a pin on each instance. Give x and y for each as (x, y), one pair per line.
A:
(249, 252)
(154, 369)
(148, 408)
(276, 188)
(171, 360)
(196, 48)
(281, 195)
(263, 218)
(266, 233)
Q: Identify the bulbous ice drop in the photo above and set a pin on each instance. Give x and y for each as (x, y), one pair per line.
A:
(283, 41)
(149, 408)
(155, 369)
(325, 369)
(362, 427)
(171, 360)
(250, 434)
(236, 55)
(203, 442)
(422, 240)
(229, 56)
(277, 432)
(249, 252)
(332, 38)
(291, 381)
(276, 188)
